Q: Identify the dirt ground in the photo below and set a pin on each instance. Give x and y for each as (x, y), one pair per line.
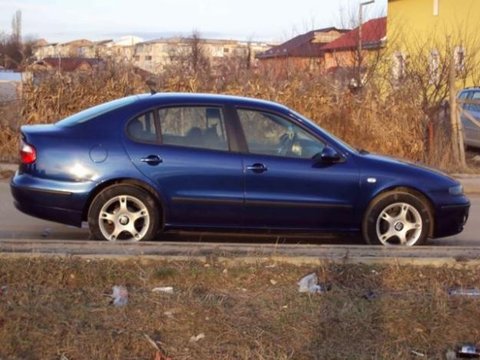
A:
(61, 308)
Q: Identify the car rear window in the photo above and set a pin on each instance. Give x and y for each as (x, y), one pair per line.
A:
(95, 111)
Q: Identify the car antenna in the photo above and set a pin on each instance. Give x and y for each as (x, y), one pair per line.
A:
(152, 85)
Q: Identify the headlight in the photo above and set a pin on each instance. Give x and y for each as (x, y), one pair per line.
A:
(456, 190)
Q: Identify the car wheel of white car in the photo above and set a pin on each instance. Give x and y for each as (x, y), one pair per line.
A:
(123, 213)
(397, 218)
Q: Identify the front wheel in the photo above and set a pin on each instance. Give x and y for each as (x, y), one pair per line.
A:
(123, 213)
(397, 218)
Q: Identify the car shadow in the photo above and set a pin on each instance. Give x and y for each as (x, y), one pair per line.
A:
(261, 238)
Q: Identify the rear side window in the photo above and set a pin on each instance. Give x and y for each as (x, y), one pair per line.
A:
(142, 128)
(193, 126)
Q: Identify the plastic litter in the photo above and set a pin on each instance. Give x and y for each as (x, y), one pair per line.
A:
(309, 283)
(371, 295)
(163, 289)
(46, 232)
(120, 295)
(194, 339)
(467, 351)
(417, 353)
(3, 290)
(459, 291)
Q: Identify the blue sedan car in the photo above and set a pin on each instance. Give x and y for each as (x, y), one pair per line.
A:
(143, 164)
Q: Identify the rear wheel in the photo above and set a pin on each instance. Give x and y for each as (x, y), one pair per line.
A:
(123, 213)
(397, 218)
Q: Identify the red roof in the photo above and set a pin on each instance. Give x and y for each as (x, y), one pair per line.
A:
(373, 32)
(301, 45)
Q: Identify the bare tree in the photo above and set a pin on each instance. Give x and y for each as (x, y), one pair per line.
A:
(17, 27)
(14, 52)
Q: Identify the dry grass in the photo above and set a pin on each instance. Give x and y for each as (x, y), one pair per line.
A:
(55, 307)
(386, 124)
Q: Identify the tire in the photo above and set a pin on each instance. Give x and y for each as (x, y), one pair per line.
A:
(397, 218)
(123, 213)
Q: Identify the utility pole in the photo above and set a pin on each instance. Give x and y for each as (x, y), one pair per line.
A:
(359, 55)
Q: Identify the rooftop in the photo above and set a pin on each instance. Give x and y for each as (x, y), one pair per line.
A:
(373, 33)
(305, 45)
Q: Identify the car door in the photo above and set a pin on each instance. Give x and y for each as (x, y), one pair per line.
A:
(185, 151)
(286, 185)
(467, 125)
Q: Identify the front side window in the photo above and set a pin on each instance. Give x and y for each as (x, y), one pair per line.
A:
(476, 98)
(270, 134)
(193, 126)
(143, 128)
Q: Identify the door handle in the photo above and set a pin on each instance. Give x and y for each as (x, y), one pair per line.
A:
(152, 160)
(257, 168)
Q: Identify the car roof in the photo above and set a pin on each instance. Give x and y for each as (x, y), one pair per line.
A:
(213, 99)
(473, 88)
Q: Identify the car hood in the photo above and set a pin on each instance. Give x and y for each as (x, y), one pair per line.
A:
(426, 177)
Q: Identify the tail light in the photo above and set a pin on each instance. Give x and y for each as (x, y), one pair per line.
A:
(28, 154)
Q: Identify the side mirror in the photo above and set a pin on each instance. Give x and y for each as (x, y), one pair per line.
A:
(327, 156)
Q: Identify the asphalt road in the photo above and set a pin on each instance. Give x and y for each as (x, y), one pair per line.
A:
(16, 226)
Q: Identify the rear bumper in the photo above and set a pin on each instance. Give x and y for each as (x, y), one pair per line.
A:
(450, 219)
(57, 201)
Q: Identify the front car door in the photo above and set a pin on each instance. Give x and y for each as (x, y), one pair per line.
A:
(286, 185)
(186, 153)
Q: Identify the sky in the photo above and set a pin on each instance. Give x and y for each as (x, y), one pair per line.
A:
(262, 20)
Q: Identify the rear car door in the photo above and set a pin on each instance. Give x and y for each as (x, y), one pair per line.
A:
(285, 187)
(185, 151)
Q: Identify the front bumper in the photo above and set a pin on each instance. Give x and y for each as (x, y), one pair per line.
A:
(450, 219)
(57, 201)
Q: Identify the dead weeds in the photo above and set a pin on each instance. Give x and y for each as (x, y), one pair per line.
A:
(51, 308)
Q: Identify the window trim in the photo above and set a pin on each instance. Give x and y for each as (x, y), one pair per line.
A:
(222, 107)
(243, 140)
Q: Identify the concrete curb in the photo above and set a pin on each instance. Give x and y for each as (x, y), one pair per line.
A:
(234, 254)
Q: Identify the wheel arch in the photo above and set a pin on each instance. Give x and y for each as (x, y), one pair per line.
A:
(413, 191)
(157, 197)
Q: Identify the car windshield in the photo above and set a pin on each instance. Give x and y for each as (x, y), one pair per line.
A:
(311, 122)
(95, 111)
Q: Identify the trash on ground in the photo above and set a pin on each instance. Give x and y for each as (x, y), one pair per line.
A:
(371, 295)
(194, 339)
(467, 351)
(46, 232)
(169, 314)
(273, 282)
(159, 354)
(3, 290)
(310, 284)
(459, 291)
(120, 295)
(163, 289)
(417, 353)
(450, 355)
